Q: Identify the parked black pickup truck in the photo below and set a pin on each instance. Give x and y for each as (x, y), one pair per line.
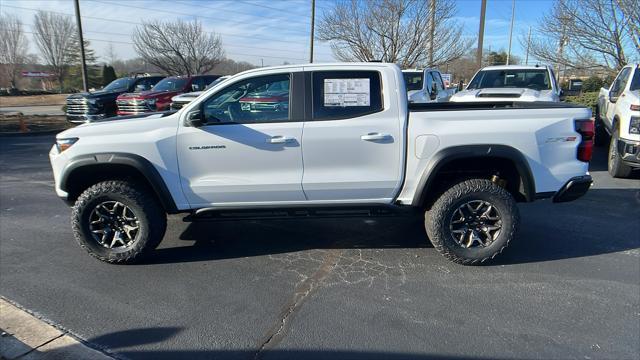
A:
(83, 107)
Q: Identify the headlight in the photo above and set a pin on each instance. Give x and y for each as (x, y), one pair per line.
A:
(151, 102)
(634, 125)
(92, 101)
(64, 144)
(634, 107)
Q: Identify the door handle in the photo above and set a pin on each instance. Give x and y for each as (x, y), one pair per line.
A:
(280, 140)
(374, 136)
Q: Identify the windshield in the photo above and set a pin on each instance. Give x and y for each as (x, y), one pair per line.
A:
(170, 84)
(413, 80)
(537, 79)
(119, 84)
(635, 82)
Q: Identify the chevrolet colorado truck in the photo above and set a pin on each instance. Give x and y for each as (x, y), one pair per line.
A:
(511, 83)
(424, 86)
(347, 143)
(159, 97)
(618, 116)
(96, 105)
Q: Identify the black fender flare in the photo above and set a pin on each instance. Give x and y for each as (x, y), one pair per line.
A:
(137, 162)
(444, 156)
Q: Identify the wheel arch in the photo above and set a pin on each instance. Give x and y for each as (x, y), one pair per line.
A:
(467, 159)
(86, 170)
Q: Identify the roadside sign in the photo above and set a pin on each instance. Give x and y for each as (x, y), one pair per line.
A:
(446, 78)
(36, 74)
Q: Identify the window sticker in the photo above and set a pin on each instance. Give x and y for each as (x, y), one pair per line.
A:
(347, 92)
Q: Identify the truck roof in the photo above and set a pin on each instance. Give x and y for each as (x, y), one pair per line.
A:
(328, 64)
(514, 67)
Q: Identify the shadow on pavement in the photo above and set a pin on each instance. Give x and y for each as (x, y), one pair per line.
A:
(123, 339)
(548, 232)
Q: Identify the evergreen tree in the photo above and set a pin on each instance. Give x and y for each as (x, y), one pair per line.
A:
(108, 75)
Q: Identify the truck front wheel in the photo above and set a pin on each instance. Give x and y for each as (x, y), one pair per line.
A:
(617, 168)
(118, 221)
(472, 222)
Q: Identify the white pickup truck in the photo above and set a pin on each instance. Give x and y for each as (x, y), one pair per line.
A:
(336, 139)
(618, 114)
(425, 86)
(511, 83)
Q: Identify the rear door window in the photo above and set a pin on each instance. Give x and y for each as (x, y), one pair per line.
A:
(345, 94)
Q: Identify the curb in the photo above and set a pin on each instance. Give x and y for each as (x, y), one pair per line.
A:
(26, 337)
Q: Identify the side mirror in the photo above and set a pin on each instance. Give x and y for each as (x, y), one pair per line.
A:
(195, 118)
(140, 87)
(434, 92)
(613, 97)
(195, 87)
(562, 95)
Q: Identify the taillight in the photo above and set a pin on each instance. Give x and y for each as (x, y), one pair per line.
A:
(586, 128)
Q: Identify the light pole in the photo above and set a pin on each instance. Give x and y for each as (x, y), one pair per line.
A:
(85, 81)
(313, 20)
(483, 11)
(513, 14)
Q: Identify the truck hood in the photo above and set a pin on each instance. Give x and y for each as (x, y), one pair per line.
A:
(94, 95)
(187, 97)
(503, 94)
(147, 95)
(114, 125)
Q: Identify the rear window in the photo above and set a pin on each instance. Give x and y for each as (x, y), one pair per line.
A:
(537, 79)
(346, 94)
(413, 80)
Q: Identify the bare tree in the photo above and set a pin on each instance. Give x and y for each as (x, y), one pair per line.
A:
(110, 54)
(57, 40)
(631, 11)
(396, 31)
(13, 47)
(178, 47)
(584, 34)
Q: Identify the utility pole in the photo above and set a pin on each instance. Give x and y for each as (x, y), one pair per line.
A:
(563, 40)
(85, 80)
(432, 29)
(313, 20)
(483, 11)
(528, 45)
(513, 15)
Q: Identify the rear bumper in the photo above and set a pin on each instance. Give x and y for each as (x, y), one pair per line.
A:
(629, 151)
(574, 188)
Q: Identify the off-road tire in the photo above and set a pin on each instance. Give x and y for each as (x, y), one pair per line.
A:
(616, 167)
(150, 214)
(438, 218)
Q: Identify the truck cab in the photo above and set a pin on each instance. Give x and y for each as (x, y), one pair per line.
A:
(618, 117)
(96, 105)
(425, 86)
(159, 97)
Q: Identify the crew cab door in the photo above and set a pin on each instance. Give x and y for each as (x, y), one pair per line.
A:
(352, 142)
(441, 93)
(248, 149)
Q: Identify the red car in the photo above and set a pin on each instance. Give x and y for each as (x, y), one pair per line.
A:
(159, 97)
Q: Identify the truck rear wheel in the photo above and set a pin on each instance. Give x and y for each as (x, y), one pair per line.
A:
(118, 221)
(472, 222)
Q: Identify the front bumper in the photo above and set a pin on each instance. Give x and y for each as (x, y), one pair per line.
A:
(574, 188)
(83, 118)
(629, 151)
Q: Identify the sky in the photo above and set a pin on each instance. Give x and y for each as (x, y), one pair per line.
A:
(261, 32)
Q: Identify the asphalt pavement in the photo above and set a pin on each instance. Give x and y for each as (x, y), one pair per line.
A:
(567, 288)
(34, 109)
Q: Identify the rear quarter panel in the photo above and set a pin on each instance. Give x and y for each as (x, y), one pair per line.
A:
(539, 134)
